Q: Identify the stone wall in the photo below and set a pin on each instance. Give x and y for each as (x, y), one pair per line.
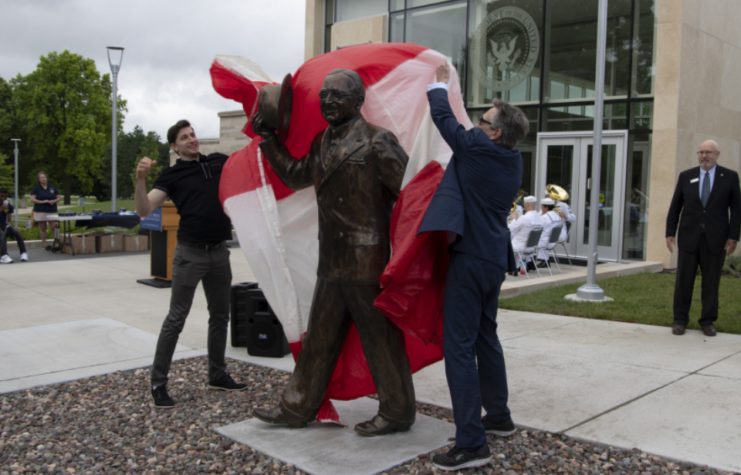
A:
(231, 137)
(698, 65)
(355, 32)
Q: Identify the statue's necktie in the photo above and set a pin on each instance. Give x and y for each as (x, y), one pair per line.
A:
(705, 190)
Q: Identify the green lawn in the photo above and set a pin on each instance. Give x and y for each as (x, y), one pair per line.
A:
(640, 298)
(103, 206)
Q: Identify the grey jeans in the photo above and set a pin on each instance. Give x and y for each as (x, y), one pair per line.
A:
(190, 266)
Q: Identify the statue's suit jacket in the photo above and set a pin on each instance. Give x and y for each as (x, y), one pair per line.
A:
(476, 193)
(713, 219)
(356, 171)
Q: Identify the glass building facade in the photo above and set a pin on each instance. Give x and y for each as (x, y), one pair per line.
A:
(540, 55)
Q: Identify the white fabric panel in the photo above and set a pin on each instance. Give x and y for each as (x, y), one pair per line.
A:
(399, 103)
(243, 67)
(299, 218)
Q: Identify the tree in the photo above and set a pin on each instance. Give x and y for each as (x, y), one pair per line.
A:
(131, 147)
(7, 178)
(65, 107)
(150, 148)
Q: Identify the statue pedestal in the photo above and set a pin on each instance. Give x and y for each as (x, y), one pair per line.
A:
(329, 449)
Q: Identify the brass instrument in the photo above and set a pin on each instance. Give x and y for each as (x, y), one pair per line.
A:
(511, 216)
(514, 204)
(558, 194)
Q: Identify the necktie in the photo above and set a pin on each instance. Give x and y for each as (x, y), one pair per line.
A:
(705, 190)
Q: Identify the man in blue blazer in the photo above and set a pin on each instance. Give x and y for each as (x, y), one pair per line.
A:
(472, 204)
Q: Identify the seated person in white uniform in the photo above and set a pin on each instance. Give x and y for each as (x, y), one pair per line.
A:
(550, 220)
(520, 228)
(568, 216)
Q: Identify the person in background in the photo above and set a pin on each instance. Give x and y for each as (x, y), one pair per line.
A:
(6, 230)
(521, 227)
(45, 198)
(550, 220)
(568, 216)
(708, 199)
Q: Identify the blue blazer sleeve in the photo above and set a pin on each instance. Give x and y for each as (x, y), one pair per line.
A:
(456, 136)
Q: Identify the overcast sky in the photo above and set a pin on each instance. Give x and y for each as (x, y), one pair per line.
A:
(169, 46)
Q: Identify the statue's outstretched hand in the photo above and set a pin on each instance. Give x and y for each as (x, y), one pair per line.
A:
(258, 125)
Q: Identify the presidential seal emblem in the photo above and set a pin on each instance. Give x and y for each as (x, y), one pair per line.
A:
(505, 48)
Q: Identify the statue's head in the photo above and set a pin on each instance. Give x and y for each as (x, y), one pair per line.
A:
(342, 96)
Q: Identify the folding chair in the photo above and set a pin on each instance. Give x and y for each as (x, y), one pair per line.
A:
(549, 248)
(532, 243)
(563, 243)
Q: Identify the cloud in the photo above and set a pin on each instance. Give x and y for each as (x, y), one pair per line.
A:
(169, 46)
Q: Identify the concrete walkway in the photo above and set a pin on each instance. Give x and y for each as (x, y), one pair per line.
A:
(619, 384)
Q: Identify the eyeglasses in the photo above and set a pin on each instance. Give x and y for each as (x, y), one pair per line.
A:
(337, 94)
(705, 152)
(482, 120)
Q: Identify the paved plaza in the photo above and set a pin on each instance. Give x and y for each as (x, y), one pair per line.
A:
(619, 384)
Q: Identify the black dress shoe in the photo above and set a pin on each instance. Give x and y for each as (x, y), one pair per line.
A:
(678, 329)
(709, 330)
(275, 416)
(530, 266)
(380, 426)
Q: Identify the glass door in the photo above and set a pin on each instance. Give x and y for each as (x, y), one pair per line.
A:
(565, 160)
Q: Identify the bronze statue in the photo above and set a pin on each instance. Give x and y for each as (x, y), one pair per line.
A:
(356, 169)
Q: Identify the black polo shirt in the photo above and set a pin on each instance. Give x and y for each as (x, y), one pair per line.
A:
(194, 188)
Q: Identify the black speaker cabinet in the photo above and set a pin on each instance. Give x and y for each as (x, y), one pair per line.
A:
(254, 324)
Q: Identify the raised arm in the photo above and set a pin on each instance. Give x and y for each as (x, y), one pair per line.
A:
(296, 174)
(146, 203)
(454, 134)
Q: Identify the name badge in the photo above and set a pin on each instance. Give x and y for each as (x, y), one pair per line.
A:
(694, 180)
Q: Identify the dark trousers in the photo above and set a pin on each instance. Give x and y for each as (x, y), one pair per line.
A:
(710, 266)
(470, 337)
(190, 266)
(11, 232)
(333, 307)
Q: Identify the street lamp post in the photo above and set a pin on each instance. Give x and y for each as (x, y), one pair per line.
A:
(590, 290)
(115, 67)
(16, 202)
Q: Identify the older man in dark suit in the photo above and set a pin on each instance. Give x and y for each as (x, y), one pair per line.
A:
(356, 169)
(704, 196)
(473, 202)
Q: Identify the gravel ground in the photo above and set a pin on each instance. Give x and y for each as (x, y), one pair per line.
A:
(106, 424)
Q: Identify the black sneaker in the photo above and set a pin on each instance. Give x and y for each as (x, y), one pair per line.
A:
(161, 398)
(457, 458)
(226, 383)
(502, 429)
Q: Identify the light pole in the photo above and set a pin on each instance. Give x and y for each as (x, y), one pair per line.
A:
(16, 202)
(590, 290)
(115, 67)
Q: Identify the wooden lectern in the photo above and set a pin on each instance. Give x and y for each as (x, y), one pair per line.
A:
(163, 226)
(162, 249)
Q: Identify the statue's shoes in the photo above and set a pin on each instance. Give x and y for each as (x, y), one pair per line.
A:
(380, 426)
(275, 416)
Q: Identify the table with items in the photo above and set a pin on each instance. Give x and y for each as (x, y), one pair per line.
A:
(97, 220)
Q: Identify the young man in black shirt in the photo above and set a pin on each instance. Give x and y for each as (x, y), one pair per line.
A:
(200, 255)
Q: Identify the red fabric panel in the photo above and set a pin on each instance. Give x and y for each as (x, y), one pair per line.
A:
(237, 88)
(414, 280)
(371, 61)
